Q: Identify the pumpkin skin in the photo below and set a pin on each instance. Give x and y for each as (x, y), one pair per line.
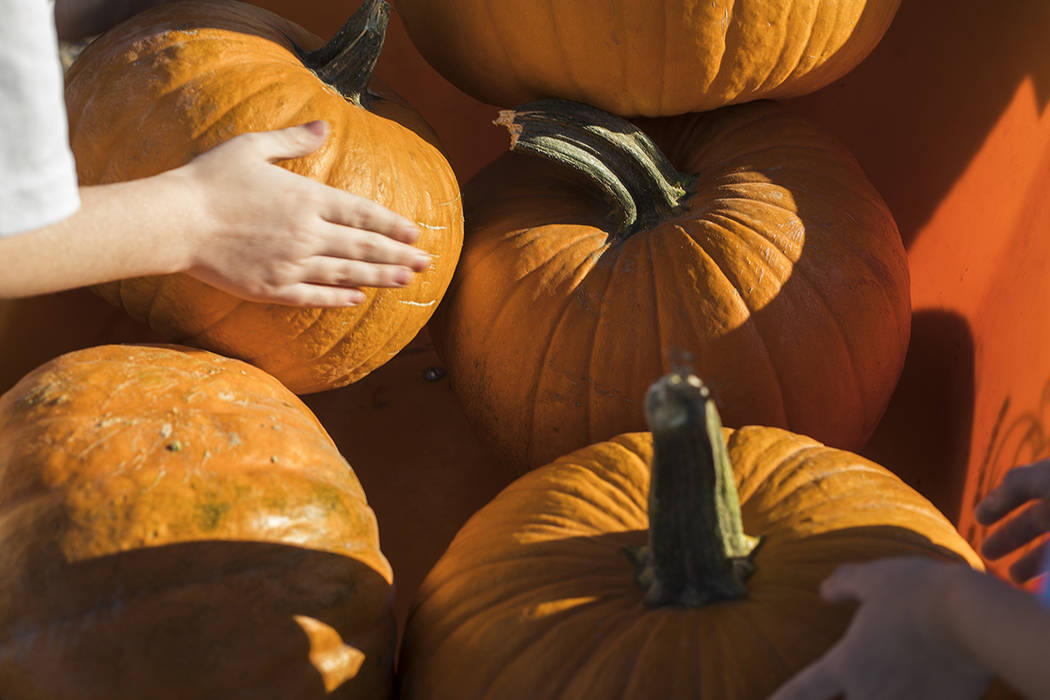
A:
(642, 57)
(175, 81)
(535, 597)
(783, 275)
(177, 524)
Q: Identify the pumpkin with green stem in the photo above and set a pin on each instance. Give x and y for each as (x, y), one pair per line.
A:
(183, 77)
(644, 57)
(680, 563)
(756, 244)
(177, 524)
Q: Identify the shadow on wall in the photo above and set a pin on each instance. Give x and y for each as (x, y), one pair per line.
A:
(924, 435)
(924, 101)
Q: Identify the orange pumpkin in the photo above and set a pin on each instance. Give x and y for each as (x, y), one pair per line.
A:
(537, 596)
(760, 248)
(177, 524)
(643, 57)
(181, 78)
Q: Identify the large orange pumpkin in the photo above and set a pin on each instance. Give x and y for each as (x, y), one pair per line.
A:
(644, 57)
(177, 80)
(760, 248)
(176, 524)
(590, 579)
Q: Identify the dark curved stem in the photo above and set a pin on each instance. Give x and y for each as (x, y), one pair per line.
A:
(347, 61)
(697, 552)
(620, 160)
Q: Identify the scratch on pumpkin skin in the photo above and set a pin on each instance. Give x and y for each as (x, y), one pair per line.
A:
(431, 227)
(418, 303)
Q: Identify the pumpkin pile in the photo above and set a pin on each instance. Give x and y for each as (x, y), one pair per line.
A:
(177, 522)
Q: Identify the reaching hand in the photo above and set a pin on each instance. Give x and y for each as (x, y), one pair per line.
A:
(897, 645)
(271, 235)
(1028, 484)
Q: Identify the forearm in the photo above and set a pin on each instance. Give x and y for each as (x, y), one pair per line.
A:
(121, 230)
(1004, 629)
(77, 19)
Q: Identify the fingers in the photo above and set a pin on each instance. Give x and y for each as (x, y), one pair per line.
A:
(361, 213)
(1018, 531)
(354, 273)
(370, 247)
(304, 294)
(812, 683)
(293, 142)
(1020, 485)
(1031, 565)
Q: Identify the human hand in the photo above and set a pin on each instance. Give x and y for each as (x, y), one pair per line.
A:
(898, 644)
(267, 234)
(1020, 486)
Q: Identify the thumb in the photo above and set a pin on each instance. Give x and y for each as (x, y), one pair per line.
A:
(293, 142)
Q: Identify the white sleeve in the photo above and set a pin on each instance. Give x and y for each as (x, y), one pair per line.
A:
(38, 181)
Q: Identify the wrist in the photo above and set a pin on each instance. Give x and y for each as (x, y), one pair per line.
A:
(189, 205)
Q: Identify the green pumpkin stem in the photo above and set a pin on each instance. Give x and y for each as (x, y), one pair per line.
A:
(620, 160)
(697, 552)
(347, 61)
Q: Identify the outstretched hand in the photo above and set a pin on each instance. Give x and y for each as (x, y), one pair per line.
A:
(267, 234)
(896, 645)
(1027, 485)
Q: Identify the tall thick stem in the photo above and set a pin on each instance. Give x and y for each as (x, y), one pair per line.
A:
(623, 163)
(697, 552)
(347, 61)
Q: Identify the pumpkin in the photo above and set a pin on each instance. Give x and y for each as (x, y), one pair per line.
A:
(177, 524)
(644, 57)
(683, 562)
(176, 80)
(756, 245)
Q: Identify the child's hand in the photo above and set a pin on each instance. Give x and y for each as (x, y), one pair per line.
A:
(1021, 485)
(267, 234)
(897, 645)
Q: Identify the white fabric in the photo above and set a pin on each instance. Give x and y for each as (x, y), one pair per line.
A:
(38, 182)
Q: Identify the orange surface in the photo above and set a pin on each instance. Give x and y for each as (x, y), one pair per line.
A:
(950, 118)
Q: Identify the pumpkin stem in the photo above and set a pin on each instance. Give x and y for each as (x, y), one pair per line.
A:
(620, 160)
(697, 552)
(347, 61)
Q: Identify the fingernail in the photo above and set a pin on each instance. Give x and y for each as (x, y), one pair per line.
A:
(318, 127)
(403, 276)
(411, 230)
(423, 259)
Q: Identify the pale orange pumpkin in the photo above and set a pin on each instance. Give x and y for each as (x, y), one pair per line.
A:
(644, 57)
(176, 524)
(757, 245)
(622, 570)
(183, 77)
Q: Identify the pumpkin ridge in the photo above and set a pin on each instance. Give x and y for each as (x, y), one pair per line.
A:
(566, 63)
(524, 648)
(773, 66)
(197, 338)
(805, 50)
(589, 403)
(798, 270)
(774, 368)
(582, 270)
